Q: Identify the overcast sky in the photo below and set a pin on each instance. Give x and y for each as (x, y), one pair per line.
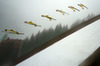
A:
(13, 13)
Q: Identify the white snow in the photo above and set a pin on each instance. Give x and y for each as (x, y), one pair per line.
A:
(70, 51)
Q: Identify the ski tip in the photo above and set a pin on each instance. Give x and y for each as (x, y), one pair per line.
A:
(54, 19)
(21, 34)
(40, 26)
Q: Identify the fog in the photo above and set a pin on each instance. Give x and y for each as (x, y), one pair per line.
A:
(70, 51)
(13, 13)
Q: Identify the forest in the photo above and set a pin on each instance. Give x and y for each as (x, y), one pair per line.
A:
(12, 49)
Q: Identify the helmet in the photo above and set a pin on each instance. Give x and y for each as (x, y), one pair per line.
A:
(25, 22)
(6, 29)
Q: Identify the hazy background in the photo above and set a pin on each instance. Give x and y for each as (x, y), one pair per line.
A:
(77, 46)
(13, 13)
(70, 51)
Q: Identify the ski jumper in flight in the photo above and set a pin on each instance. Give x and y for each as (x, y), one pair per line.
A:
(73, 8)
(62, 12)
(30, 22)
(50, 18)
(82, 6)
(12, 31)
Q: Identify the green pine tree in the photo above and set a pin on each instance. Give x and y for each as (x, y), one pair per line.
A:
(4, 37)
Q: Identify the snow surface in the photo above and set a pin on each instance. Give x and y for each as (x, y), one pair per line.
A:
(70, 51)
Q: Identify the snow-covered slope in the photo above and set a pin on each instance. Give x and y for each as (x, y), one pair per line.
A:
(70, 51)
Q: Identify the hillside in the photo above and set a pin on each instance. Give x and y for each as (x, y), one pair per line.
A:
(9, 49)
(55, 39)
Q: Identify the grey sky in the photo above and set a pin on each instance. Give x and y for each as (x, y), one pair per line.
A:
(13, 13)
